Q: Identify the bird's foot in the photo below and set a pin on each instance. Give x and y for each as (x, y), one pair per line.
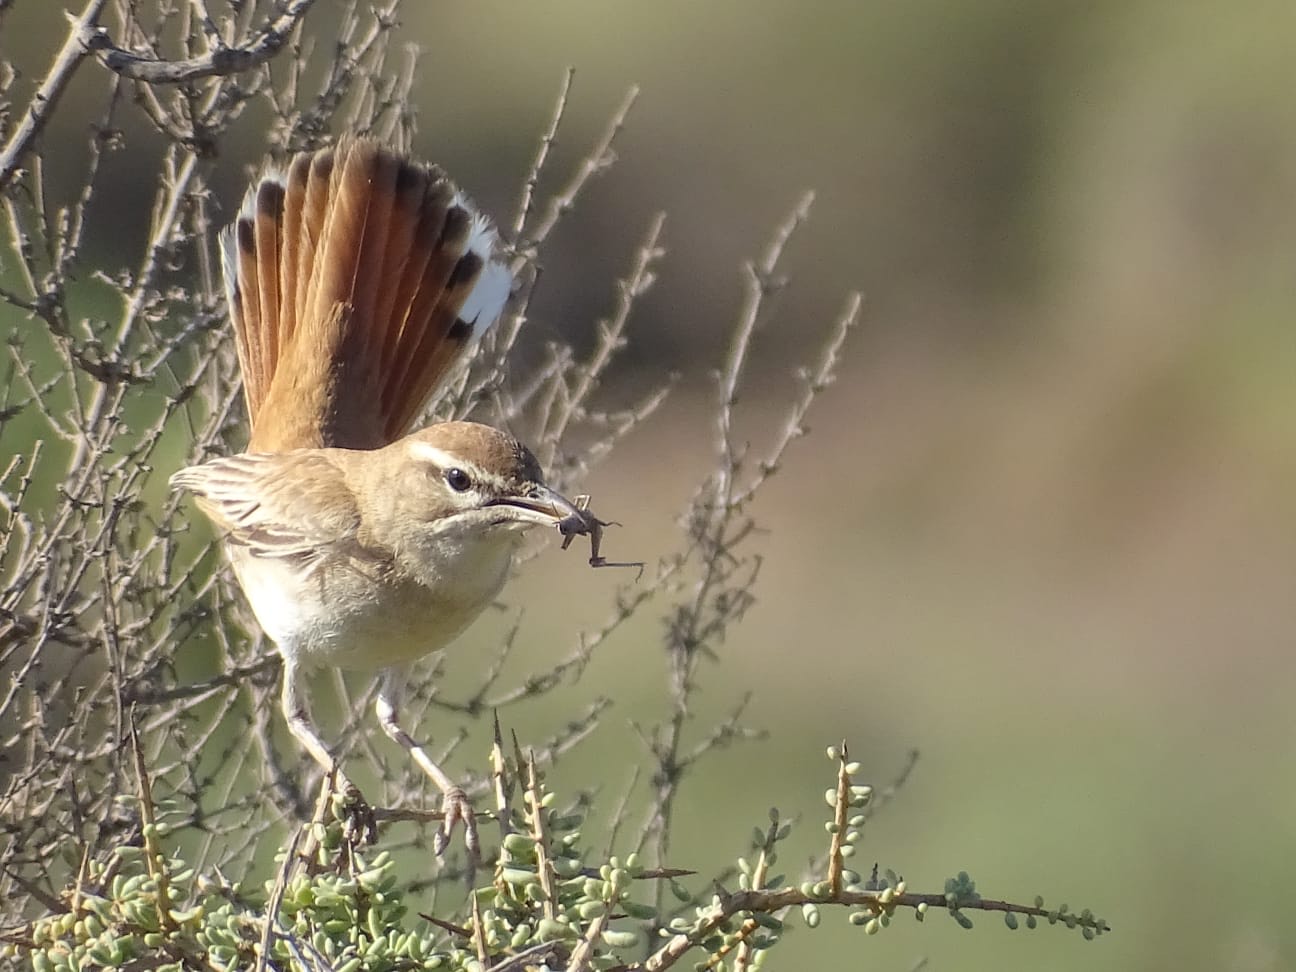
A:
(359, 824)
(457, 810)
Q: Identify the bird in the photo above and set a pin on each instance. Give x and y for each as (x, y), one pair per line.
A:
(356, 277)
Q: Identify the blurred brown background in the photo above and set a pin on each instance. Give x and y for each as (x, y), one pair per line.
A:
(1045, 527)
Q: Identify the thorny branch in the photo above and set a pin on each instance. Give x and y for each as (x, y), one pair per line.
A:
(45, 100)
(87, 36)
(219, 59)
(718, 530)
(113, 608)
(107, 598)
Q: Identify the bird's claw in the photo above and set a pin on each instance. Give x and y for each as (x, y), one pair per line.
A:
(456, 810)
(359, 823)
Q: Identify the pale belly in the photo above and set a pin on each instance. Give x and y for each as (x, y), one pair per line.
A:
(350, 617)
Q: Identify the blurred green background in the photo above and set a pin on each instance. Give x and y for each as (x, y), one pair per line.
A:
(1045, 527)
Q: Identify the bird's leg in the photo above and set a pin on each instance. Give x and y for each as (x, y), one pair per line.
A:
(361, 826)
(454, 802)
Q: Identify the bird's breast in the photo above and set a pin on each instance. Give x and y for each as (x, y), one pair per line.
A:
(361, 615)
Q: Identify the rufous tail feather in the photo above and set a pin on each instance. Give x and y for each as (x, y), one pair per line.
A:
(355, 279)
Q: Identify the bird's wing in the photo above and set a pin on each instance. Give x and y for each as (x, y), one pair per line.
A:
(291, 505)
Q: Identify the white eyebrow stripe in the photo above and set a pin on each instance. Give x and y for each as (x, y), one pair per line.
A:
(438, 457)
(445, 460)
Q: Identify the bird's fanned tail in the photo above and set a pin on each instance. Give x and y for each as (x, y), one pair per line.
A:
(356, 277)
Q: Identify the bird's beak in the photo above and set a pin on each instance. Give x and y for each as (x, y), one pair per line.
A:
(540, 505)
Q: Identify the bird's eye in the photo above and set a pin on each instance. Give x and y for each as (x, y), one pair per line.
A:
(457, 479)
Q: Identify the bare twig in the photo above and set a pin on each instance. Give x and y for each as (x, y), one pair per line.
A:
(80, 37)
(220, 60)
